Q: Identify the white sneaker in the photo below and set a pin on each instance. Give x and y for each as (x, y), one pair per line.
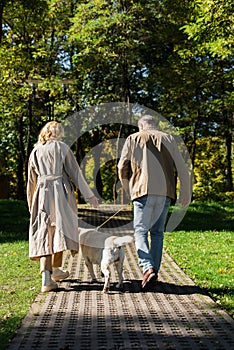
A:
(59, 275)
(47, 283)
(48, 288)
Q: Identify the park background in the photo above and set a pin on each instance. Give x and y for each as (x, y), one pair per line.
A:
(60, 57)
(174, 57)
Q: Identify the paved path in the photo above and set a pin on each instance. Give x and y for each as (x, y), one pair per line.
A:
(173, 315)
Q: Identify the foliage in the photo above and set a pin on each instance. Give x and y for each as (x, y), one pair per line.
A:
(209, 172)
(212, 27)
(210, 42)
(58, 57)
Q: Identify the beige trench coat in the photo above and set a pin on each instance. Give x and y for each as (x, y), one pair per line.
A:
(52, 204)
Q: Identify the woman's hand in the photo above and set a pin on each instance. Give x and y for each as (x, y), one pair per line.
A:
(93, 201)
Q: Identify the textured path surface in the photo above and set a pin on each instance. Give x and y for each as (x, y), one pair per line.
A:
(173, 315)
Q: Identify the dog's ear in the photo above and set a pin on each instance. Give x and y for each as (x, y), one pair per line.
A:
(120, 241)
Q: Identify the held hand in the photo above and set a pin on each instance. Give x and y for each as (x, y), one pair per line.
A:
(184, 202)
(93, 201)
(185, 198)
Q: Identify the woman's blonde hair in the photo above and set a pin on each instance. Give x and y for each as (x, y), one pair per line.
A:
(51, 131)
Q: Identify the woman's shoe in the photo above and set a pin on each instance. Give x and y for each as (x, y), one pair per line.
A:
(59, 275)
(47, 283)
(48, 288)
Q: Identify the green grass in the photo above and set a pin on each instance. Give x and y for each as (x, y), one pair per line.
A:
(14, 218)
(207, 257)
(202, 246)
(19, 277)
(19, 284)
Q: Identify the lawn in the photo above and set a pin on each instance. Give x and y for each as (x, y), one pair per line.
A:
(202, 246)
(19, 277)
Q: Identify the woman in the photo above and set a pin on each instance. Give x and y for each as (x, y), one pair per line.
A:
(52, 204)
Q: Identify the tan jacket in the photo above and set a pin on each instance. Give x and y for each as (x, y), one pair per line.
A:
(149, 164)
(52, 204)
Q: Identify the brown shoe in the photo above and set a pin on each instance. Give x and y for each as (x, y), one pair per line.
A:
(148, 276)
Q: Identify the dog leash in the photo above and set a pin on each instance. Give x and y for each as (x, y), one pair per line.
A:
(111, 217)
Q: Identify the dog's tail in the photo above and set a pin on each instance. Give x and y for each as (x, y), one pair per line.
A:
(120, 241)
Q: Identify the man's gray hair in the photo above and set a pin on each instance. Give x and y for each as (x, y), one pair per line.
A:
(147, 119)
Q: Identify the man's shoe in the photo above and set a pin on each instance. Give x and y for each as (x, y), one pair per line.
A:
(149, 275)
(59, 275)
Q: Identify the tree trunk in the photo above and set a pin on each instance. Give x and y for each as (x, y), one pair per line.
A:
(79, 157)
(229, 161)
(29, 145)
(21, 162)
(2, 5)
(194, 145)
(116, 167)
(96, 171)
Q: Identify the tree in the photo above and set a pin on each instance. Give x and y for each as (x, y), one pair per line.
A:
(33, 63)
(210, 31)
(59, 57)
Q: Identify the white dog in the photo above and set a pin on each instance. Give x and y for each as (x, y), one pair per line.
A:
(103, 249)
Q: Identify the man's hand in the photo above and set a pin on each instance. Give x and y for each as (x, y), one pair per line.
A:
(125, 184)
(93, 201)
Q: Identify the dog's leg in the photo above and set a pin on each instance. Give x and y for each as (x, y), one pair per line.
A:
(119, 267)
(106, 272)
(90, 268)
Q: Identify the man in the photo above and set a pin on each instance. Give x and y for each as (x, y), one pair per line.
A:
(148, 166)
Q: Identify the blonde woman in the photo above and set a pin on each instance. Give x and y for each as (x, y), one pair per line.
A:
(52, 205)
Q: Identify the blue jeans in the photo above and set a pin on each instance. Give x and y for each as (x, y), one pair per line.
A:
(150, 214)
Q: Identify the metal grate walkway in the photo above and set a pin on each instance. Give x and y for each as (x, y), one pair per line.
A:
(172, 315)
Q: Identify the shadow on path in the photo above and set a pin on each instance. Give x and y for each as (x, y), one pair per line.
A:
(134, 286)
